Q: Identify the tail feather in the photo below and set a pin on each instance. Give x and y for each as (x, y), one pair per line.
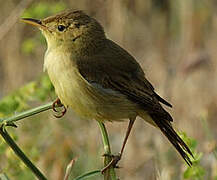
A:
(163, 100)
(167, 129)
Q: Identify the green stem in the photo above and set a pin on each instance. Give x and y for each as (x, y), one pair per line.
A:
(110, 173)
(3, 176)
(13, 145)
(21, 155)
(27, 113)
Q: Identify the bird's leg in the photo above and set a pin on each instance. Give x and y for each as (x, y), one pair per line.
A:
(116, 158)
(57, 103)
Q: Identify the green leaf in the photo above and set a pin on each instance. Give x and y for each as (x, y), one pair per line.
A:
(88, 175)
(195, 172)
(192, 143)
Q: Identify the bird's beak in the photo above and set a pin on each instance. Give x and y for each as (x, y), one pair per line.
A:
(34, 22)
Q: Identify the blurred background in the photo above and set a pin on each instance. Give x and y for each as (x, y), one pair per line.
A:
(174, 41)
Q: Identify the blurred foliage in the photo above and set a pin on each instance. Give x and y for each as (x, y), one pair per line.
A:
(42, 9)
(28, 46)
(34, 91)
(39, 10)
(12, 164)
(195, 172)
(19, 101)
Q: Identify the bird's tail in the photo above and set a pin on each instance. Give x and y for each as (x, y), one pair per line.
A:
(164, 124)
(167, 129)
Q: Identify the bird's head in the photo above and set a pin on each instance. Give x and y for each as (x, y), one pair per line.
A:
(70, 29)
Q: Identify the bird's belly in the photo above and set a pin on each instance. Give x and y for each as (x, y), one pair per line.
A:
(89, 101)
(85, 99)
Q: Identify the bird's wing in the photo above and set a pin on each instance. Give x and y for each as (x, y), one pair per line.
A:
(114, 68)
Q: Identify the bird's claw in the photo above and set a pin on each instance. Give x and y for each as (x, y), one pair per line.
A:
(56, 104)
(112, 163)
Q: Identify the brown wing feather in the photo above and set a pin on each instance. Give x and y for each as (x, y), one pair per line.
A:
(116, 69)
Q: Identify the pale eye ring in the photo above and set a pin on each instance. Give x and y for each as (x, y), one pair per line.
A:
(61, 27)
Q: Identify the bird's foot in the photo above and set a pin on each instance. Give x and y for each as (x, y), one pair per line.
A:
(113, 162)
(56, 104)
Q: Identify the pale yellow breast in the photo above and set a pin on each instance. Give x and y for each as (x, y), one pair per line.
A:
(87, 100)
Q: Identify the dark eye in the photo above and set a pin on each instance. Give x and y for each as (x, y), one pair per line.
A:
(61, 27)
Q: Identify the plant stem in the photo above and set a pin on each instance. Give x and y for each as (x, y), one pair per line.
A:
(20, 154)
(13, 145)
(3, 176)
(27, 113)
(110, 173)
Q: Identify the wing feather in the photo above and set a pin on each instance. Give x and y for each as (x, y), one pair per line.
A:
(114, 68)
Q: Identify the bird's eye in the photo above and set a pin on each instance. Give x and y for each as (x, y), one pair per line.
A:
(61, 28)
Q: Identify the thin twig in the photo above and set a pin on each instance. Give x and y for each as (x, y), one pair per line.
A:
(13, 145)
(109, 174)
(4, 176)
(69, 169)
(26, 114)
(88, 175)
(20, 154)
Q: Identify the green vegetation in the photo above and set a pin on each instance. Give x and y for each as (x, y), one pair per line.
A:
(196, 171)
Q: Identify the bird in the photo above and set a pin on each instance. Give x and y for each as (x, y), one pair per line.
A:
(99, 79)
